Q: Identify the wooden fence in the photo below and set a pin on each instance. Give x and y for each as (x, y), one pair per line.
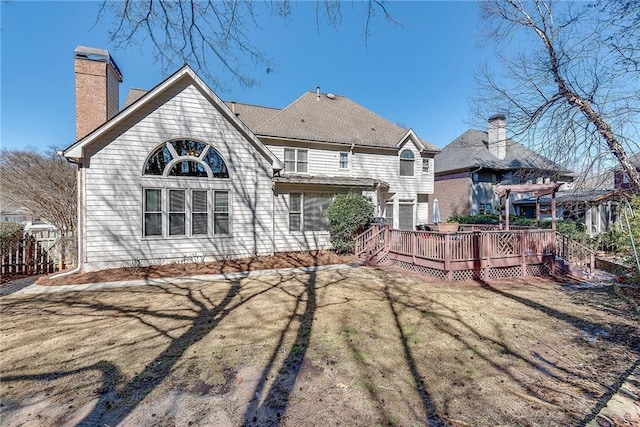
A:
(30, 257)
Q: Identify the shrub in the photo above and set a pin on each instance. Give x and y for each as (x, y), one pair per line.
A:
(349, 214)
(10, 236)
(474, 219)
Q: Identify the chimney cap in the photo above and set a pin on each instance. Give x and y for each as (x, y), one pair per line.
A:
(97, 54)
(498, 116)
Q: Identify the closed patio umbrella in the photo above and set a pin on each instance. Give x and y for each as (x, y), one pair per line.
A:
(436, 212)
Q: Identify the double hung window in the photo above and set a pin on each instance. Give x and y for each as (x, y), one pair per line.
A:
(407, 160)
(296, 160)
(344, 161)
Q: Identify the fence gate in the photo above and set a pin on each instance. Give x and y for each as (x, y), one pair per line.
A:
(30, 257)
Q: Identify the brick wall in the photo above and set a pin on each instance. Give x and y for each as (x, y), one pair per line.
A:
(453, 196)
(96, 89)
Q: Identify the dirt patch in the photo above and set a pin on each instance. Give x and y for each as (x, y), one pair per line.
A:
(352, 346)
(279, 260)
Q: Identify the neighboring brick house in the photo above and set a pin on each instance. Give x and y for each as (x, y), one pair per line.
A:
(467, 169)
(179, 172)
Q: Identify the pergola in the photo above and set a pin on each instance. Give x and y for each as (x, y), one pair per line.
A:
(538, 189)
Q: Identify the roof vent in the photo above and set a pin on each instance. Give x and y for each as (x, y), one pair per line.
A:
(331, 96)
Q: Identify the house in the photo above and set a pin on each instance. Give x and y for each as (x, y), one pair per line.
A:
(179, 172)
(597, 209)
(467, 169)
(621, 179)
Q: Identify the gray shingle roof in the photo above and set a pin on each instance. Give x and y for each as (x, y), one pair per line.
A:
(133, 95)
(253, 115)
(470, 151)
(332, 119)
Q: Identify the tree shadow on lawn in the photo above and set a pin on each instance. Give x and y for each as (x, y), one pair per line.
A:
(116, 400)
(615, 333)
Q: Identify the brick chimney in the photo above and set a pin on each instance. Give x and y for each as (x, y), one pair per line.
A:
(497, 143)
(97, 88)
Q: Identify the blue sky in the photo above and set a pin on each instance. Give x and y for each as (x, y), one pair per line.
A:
(419, 76)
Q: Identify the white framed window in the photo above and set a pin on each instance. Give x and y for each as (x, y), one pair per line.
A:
(388, 213)
(407, 160)
(344, 161)
(221, 212)
(199, 213)
(188, 212)
(152, 212)
(177, 213)
(295, 212)
(426, 166)
(296, 160)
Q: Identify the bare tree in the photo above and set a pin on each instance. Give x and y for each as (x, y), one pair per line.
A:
(43, 183)
(213, 36)
(568, 76)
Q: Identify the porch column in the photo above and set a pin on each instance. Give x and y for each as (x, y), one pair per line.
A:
(553, 211)
(507, 207)
(538, 211)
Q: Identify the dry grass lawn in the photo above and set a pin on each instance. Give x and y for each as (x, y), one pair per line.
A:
(350, 346)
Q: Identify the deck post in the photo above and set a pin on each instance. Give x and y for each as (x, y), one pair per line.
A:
(524, 245)
(486, 254)
(447, 252)
(414, 246)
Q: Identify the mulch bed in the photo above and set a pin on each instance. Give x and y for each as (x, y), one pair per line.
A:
(279, 260)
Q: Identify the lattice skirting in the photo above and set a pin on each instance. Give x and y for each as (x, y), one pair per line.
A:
(543, 269)
(434, 272)
(494, 272)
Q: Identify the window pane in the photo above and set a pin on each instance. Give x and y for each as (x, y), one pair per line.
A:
(153, 224)
(188, 148)
(199, 201)
(302, 161)
(289, 160)
(406, 167)
(176, 200)
(425, 165)
(221, 223)
(199, 223)
(176, 212)
(176, 224)
(221, 202)
(344, 160)
(405, 217)
(158, 160)
(407, 154)
(221, 212)
(315, 207)
(199, 215)
(152, 198)
(188, 168)
(295, 208)
(217, 165)
(388, 214)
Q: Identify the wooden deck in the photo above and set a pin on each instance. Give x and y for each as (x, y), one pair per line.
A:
(480, 254)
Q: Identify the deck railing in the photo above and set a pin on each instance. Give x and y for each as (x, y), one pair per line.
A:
(575, 253)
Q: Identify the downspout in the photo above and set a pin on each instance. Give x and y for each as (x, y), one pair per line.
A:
(80, 221)
(273, 219)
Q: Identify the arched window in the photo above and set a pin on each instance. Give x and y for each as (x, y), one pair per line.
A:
(407, 160)
(174, 209)
(187, 158)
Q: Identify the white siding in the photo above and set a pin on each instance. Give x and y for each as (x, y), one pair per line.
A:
(114, 182)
